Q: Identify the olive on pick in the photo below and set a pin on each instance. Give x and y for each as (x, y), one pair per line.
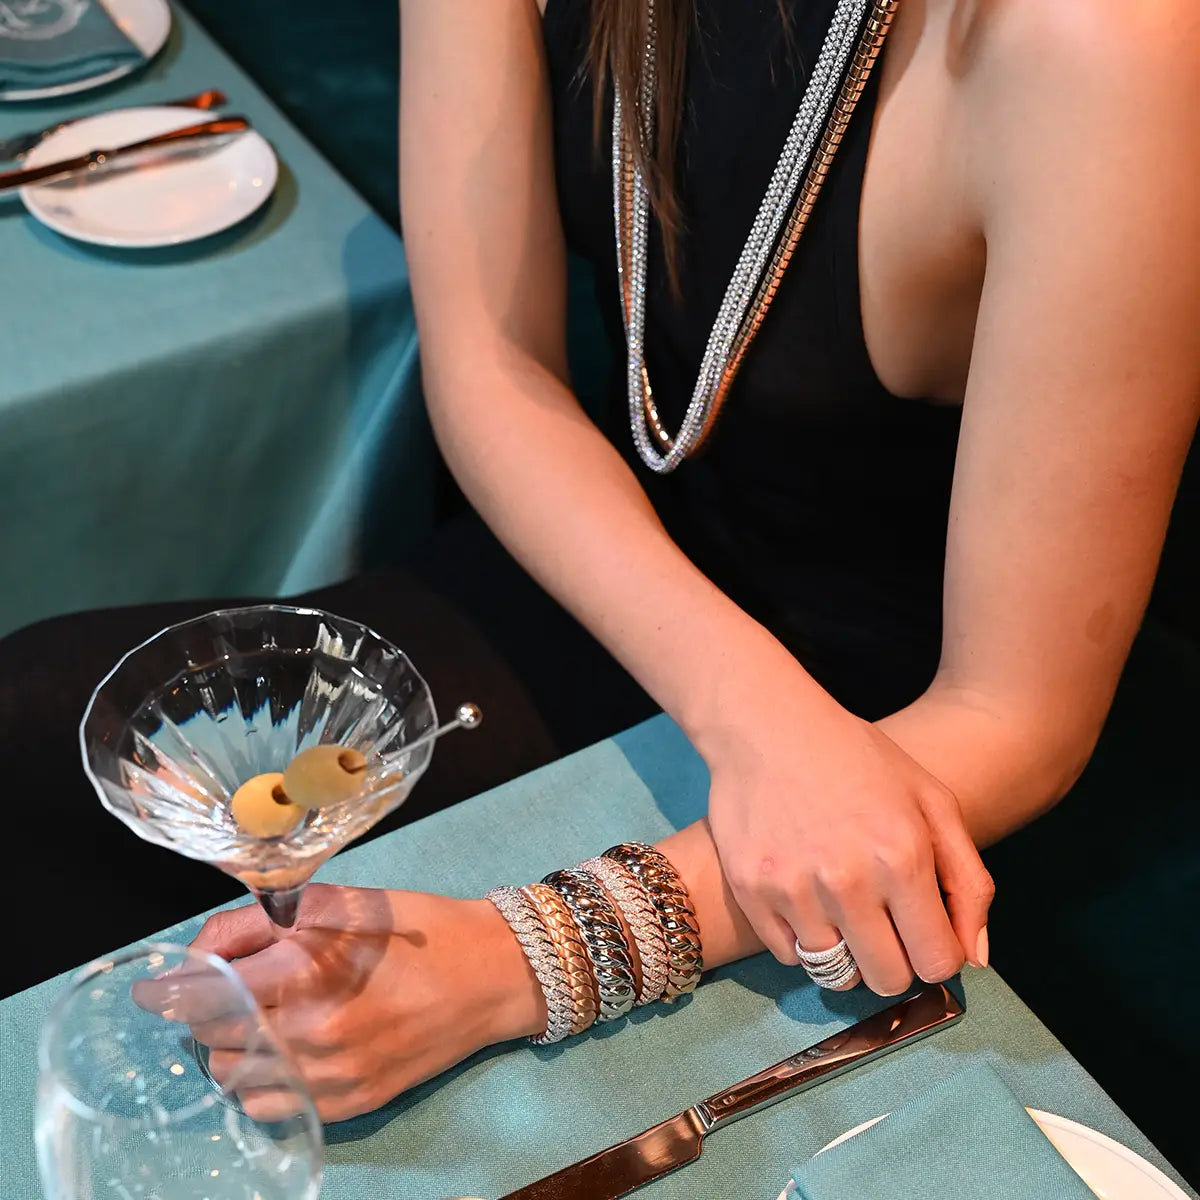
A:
(261, 809)
(323, 775)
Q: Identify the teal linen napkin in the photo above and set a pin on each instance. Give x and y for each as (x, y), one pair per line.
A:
(48, 42)
(967, 1137)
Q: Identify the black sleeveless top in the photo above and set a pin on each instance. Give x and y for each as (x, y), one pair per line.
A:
(820, 501)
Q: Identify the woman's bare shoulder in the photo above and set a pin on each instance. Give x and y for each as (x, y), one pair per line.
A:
(1127, 48)
(1068, 89)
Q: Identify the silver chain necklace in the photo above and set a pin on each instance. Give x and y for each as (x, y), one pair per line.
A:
(748, 294)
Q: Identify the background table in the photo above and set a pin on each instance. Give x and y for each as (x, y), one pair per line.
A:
(513, 1113)
(215, 419)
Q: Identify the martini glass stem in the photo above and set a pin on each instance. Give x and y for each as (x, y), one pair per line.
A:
(282, 905)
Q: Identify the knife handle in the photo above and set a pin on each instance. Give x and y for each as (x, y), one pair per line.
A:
(932, 1008)
(26, 176)
(217, 127)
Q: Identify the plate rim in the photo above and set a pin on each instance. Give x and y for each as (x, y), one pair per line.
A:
(150, 50)
(66, 229)
(1043, 1118)
(1170, 1187)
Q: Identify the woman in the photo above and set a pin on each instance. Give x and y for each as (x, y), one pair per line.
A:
(999, 272)
(890, 601)
(1019, 261)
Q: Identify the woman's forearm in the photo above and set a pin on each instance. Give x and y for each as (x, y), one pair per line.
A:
(575, 517)
(566, 505)
(1006, 764)
(724, 930)
(485, 247)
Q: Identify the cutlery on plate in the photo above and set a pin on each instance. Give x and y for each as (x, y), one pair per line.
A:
(160, 148)
(20, 144)
(674, 1143)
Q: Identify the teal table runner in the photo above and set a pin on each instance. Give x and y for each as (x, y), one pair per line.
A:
(234, 416)
(515, 1113)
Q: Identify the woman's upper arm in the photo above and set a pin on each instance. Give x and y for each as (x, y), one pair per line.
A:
(481, 225)
(1085, 374)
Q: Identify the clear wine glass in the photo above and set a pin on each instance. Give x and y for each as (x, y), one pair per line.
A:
(187, 717)
(124, 1111)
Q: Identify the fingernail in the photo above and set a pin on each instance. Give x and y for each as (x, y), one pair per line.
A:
(981, 948)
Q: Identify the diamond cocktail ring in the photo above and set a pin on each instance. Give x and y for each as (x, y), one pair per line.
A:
(832, 968)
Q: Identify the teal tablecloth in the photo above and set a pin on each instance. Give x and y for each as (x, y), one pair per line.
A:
(514, 1113)
(213, 419)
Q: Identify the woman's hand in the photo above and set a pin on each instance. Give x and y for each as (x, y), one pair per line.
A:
(374, 991)
(827, 829)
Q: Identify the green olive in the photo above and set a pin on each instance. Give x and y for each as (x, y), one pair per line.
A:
(325, 775)
(261, 809)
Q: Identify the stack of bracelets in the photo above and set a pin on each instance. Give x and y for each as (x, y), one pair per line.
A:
(572, 927)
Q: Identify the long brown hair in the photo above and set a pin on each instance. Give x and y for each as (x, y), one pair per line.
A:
(615, 51)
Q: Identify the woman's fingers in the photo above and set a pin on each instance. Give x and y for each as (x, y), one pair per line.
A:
(237, 1070)
(763, 902)
(269, 1105)
(771, 928)
(890, 912)
(235, 933)
(964, 879)
(812, 929)
(263, 1084)
(873, 941)
(206, 998)
(919, 918)
(283, 969)
(887, 906)
(231, 1034)
(198, 993)
(191, 996)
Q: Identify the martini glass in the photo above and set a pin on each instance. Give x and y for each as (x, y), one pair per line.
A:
(187, 717)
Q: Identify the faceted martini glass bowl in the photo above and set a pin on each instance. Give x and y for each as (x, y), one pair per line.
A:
(185, 718)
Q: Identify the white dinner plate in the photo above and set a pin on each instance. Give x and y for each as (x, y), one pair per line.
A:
(1111, 1170)
(146, 23)
(163, 204)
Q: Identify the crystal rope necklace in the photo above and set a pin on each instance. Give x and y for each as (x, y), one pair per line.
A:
(851, 47)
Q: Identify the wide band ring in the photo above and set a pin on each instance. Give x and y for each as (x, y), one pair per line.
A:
(832, 968)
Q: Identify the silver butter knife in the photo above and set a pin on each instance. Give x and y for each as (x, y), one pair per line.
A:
(21, 143)
(161, 147)
(621, 1169)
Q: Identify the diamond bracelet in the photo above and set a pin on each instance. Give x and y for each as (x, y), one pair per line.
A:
(516, 908)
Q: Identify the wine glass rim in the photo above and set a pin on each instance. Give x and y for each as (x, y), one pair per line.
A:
(106, 965)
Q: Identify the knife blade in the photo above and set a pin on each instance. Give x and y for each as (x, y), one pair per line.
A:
(148, 149)
(674, 1143)
(21, 143)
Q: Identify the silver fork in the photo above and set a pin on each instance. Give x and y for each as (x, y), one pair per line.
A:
(19, 145)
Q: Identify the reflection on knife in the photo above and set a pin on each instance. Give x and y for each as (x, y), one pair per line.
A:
(20, 144)
(620, 1169)
(151, 149)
